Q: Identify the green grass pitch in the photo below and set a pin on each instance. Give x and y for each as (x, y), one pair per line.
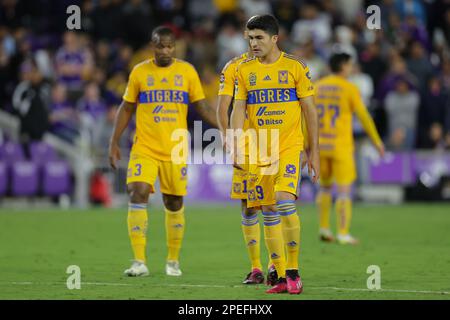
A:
(410, 243)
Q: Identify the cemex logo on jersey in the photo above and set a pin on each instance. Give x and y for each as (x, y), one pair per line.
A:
(262, 112)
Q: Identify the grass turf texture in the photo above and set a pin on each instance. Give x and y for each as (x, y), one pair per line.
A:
(410, 244)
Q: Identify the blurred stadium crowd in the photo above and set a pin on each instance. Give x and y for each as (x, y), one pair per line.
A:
(71, 83)
(403, 69)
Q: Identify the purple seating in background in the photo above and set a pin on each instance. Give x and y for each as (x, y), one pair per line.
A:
(3, 178)
(40, 152)
(24, 178)
(56, 178)
(11, 152)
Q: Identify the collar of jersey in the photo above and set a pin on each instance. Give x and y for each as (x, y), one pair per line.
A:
(271, 64)
(164, 68)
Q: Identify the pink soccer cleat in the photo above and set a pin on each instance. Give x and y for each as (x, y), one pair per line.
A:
(280, 287)
(272, 276)
(254, 277)
(294, 282)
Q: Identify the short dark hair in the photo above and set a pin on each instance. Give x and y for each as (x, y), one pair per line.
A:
(162, 31)
(266, 22)
(337, 60)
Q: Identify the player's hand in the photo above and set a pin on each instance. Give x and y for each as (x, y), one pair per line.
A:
(114, 154)
(313, 166)
(235, 157)
(381, 150)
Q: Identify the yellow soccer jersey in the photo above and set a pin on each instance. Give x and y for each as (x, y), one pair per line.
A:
(272, 92)
(336, 100)
(162, 95)
(228, 81)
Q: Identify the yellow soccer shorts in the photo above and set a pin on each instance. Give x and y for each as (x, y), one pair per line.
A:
(264, 181)
(172, 177)
(341, 171)
(239, 182)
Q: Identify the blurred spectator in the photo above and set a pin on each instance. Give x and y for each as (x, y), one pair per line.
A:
(435, 102)
(419, 64)
(316, 64)
(106, 18)
(93, 111)
(230, 42)
(137, 22)
(63, 117)
(349, 9)
(398, 71)
(413, 31)
(286, 12)
(413, 8)
(254, 7)
(402, 106)
(31, 101)
(311, 24)
(364, 83)
(73, 64)
(445, 74)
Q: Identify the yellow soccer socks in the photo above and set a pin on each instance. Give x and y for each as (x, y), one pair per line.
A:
(137, 229)
(324, 202)
(274, 241)
(252, 236)
(291, 232)
(344, 214)
(174, 233)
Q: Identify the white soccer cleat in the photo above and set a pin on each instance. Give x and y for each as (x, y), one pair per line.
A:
(173, 268)
(347, 239)
(326, 235)
(137, 269)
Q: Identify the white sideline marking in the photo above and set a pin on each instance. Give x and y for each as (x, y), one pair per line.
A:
(221, 286)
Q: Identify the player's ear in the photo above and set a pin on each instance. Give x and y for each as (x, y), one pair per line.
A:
(275, 38)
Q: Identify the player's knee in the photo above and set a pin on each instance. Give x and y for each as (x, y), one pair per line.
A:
(138, 193)
(344, 191)
(173, 203)
(283, 196)
(270, 208)
(249, 212)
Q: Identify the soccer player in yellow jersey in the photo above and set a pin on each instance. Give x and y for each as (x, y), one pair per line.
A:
(159, 91)
(272, 89)
(250, 222)
(337, 99)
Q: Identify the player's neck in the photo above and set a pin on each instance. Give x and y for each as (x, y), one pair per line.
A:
(158, 64)
(271, 57)
(341, 75)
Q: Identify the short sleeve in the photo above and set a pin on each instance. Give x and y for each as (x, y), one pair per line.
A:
(227, 80)
(195, 87)
(132, 90)
(240, 90)
(304, 85)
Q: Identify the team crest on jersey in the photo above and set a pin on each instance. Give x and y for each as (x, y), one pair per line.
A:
(251, 195)
(150, 81)
(222, 78)
(283, 77)
(236, 187)
(252, 78)
(290, 168)
(178, 80)
(183, 173)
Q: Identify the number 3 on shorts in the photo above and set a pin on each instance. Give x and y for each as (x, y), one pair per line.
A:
(138, 167)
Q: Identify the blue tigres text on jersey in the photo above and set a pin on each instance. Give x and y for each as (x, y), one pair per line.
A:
(271, 95)
(158, 96)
